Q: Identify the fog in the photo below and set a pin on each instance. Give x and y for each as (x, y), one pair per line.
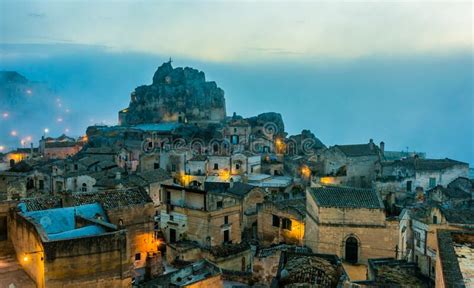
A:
(423, 102)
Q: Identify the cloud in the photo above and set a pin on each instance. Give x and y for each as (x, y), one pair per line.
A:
(223, 31)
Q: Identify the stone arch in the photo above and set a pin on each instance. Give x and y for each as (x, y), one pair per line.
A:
(351, 248)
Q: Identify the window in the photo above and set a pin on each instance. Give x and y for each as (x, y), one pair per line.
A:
(216, 166)
(286, 223)
(432, 182)
(156, 166)
(275, 221)
(138, 256)
(219, 204)
(235, 130)
(173, 167)
(251, 169)
(234, 139)
(76, 167)
(41, 184)
(226, 219)
(417, 239)
(409, 183)
(435, 219)
(84, 187)
(237, 166)
(171, 218)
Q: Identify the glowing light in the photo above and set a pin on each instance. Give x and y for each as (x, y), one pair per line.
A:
(67, 110)
(66, 130)
(5, 115)
(46, 130)
(224, 175)
(25, 259)
(2, 148)
(29, 92)
(22, 142)
(59, 119)
(305, 171)
(13, 133)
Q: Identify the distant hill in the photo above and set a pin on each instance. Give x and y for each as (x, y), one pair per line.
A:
(26, 109)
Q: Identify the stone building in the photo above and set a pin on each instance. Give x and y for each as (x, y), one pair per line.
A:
(48, 241)
(350, 223)
(281, 222)
(402, 177)
(352, 165)
(209, 218)
(61, 147)
(131, 211)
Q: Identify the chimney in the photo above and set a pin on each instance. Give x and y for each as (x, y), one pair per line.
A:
(371, 144)
(382, 147)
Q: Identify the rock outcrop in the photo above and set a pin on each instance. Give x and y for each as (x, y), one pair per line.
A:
(176, 95)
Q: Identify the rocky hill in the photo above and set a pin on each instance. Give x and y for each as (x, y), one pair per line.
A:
(176, 95)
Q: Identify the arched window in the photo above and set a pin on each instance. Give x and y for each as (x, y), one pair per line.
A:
(84, 187)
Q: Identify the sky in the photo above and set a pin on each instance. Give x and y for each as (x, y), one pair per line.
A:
(401, 72)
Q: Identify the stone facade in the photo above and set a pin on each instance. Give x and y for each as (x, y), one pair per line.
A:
(332, 229)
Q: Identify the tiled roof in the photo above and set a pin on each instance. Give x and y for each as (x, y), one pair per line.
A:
(459, 216)
(240, 189)
(425, 164)
(154, 176)
(109, 199)
(346, 197)
(113, 199)
(357, 150)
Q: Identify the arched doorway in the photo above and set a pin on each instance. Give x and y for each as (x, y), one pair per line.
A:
(352, 250)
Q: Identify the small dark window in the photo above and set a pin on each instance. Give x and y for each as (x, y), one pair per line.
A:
(84, 187)
(219, 204)
(432, 182)
(435, 219)
(275, 221)
(216, 166)
(226, 219)
(226, 236)
(286, 223)
(138, 256)
(237, 166)
(76, 167)
(41, 184)
(156, 166)
(173, 167)
(171, 218)
(409, 184)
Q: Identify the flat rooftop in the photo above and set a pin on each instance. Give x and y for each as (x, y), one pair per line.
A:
(61, 223)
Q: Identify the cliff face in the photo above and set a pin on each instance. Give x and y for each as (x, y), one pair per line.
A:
(176, 95)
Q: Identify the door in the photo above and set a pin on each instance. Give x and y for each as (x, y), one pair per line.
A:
(226, 236)
(172, 235)
(352, 250)
(3, 228)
